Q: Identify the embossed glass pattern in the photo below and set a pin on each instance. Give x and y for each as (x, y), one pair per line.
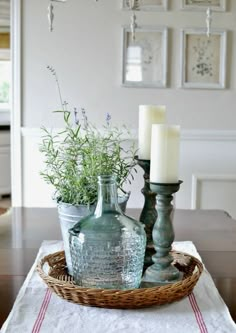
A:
(107, 247)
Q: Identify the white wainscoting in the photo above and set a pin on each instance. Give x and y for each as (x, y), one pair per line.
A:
(210, 191)
(5, 166)
(207, 168)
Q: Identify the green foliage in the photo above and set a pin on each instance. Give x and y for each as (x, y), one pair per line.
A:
(76, 156)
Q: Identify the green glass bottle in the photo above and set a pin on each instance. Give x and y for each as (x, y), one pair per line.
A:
(107, 247)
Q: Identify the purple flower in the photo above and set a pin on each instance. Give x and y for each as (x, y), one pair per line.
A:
(108, 118)
(85, 118)
(51, 69)
(76, 116)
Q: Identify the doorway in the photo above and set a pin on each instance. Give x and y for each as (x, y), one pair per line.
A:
(5, 107)
(10, 133)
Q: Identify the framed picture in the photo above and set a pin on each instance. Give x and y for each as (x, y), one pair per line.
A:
(216, 5)
(145, 58)
(148, 5)
(203, 59)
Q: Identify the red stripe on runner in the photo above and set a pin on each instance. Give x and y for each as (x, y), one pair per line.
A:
(42, 312)
(197, 313)
(200, 314)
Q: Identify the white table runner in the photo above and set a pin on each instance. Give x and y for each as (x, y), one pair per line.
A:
(36, 309)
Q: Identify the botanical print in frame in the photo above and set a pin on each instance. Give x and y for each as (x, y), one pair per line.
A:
(149, 5)
(203, 59)
(216, 5)
(145, 57)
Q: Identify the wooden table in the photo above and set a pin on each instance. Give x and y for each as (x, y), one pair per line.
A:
(23, 230)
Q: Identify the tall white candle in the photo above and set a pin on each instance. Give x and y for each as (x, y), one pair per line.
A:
(148, 115)
(165, 146)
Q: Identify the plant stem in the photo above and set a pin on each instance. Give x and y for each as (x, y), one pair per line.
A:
(59, 91)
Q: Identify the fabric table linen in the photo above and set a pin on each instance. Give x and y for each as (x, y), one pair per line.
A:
(37, 309)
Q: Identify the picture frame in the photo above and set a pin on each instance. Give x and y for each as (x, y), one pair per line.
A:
(147, 5)
(202, 5)
(145, 59)
(203, 59)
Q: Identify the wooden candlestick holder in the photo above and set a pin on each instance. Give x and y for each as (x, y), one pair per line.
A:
(162, 271)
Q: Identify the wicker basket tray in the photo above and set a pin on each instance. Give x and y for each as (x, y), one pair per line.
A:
(62, 284)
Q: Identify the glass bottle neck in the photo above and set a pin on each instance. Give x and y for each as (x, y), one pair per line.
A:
(107, 195)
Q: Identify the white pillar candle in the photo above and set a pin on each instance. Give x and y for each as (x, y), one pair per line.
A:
(165, 146)
(148, 115)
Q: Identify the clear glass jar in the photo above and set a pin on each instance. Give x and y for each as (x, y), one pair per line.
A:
(107, 247)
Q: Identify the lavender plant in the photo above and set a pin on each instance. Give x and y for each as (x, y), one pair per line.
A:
(75, 156)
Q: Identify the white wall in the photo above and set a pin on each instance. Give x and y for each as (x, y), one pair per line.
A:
(86, 50)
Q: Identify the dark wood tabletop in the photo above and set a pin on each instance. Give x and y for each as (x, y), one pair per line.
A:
(22, 231)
